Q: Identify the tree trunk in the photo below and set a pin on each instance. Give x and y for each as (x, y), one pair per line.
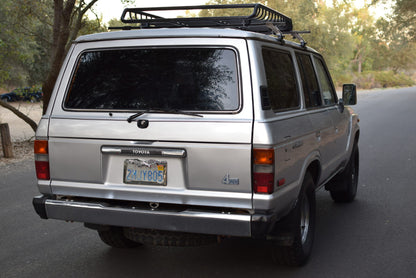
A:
(360, 65)
(66, 16)
(61, 30)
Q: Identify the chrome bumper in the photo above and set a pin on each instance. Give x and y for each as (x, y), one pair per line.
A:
(187, 220)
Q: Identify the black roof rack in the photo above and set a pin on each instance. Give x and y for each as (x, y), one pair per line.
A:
(261, 20)
(252, 22)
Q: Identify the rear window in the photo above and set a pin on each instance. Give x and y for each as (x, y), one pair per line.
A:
(193, 79)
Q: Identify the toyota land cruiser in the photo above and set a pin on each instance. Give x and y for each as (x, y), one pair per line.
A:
(178, 130)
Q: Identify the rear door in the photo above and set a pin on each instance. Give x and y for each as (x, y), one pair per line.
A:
(190, 141)
(287, 124)
(318, 114)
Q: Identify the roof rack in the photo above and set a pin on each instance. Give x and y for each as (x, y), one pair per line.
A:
(253, 22)
(261, 20)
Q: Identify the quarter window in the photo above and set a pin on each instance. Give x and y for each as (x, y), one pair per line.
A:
(310, 86)
(328, 92)
(281, 82)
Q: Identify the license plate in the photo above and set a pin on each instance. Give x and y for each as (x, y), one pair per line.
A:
(149, 172)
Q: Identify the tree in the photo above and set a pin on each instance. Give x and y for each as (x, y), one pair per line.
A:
(399, 49)
(67, 14)
(21, 23)
(405, 17)
(363, 31)
(396, 38)
(329, 25)
(35, 38)
(68, 18)
(18, 45)
(331, 34)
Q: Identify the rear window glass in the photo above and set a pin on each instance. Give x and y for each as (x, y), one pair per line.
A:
(194, 79)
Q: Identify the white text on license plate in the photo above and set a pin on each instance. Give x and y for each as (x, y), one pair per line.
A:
(150, 172)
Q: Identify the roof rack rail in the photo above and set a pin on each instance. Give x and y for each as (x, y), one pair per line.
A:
(295, 34)
(256, 21)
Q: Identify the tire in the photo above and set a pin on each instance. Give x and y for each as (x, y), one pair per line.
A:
(114, 237)
(301, 228)
(347, 182)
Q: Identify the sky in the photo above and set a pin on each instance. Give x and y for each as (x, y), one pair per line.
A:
(110, 9)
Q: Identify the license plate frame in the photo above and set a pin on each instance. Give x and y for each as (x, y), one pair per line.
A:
(145, 172)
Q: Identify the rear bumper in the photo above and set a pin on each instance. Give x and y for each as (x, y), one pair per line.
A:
(184, 220)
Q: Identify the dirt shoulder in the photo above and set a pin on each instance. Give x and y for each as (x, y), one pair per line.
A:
(21, 133)
(22, 151)
(19, 130)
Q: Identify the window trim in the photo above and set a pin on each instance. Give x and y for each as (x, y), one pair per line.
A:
(76, 64)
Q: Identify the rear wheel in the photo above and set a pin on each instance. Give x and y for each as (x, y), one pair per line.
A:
(300, 224)
(347, 181)
(114, 237)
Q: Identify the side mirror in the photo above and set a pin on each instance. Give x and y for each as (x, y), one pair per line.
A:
(349, 94)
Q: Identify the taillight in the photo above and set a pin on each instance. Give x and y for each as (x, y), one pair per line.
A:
(263, 171)
(42, 159)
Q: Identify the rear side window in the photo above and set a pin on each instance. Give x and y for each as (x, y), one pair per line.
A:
(194, 79)
(281, 80)
(310, 86)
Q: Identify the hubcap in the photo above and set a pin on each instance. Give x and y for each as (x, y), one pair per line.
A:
(304, 220)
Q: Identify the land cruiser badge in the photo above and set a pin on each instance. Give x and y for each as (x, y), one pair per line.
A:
(228, 180)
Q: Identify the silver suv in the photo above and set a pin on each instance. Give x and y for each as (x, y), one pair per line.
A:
(187, 129)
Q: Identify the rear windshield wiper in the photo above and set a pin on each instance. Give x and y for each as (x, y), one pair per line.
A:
(167, 111)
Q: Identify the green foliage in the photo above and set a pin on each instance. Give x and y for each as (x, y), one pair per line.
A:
(405, 17)
(15, 49)
(330, 27)
(92, 26)
(115, 23)
(355, 45)
(26, 40)
(399, 49)
(357, 48)
(391, 79)
(24, 26)
(375, 79)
